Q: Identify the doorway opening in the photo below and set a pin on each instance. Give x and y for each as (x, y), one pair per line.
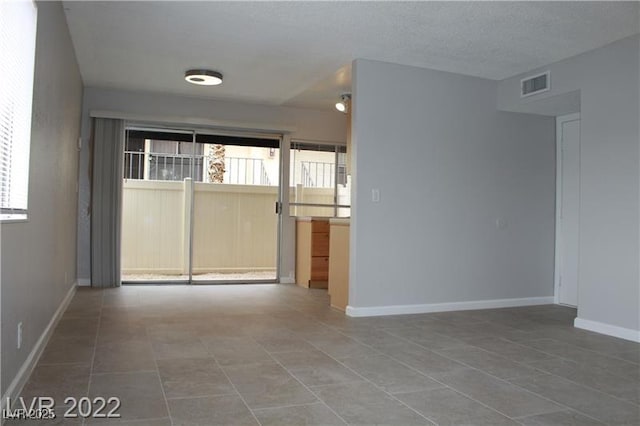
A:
(567, 209)
(199, 207)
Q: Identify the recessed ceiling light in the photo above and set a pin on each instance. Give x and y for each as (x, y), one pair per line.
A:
(203, 77)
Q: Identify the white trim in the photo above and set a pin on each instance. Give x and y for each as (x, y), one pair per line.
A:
(14, 218)
(608, 329)
(14, 389)
(287, 280)
(84, 282)
(372, 311)
(560, 120)
(183, 121)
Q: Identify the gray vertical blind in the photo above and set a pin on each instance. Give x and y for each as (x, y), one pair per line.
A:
(106, 201)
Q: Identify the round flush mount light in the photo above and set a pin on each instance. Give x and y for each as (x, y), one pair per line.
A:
(203, 77)
(343, 104)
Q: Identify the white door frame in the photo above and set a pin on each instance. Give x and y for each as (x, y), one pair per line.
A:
(558, 240)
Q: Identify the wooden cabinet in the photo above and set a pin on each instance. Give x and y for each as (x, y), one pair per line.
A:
(319, 271)
(339, 264)
(312, 252)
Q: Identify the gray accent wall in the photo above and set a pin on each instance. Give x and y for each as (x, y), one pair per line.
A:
(608, 80)
(309, 124)
(467, 192)
(39, 256)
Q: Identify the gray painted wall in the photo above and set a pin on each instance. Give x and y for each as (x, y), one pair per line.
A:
(39, 256)
(448, 165)
(329, 126)
(608, 80)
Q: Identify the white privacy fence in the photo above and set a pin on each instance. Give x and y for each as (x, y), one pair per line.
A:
(234, 226)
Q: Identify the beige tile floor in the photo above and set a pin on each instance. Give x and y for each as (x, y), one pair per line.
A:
(277, 355)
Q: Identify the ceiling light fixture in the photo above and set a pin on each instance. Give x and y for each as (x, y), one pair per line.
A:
(203, 77)
(343, 104)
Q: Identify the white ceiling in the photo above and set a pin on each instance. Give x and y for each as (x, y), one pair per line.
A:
(299, 53)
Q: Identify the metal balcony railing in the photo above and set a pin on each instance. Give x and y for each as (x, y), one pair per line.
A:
(245, 171)
(316, 174)
(176, 167)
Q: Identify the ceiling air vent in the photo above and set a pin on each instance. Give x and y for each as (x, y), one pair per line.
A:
(535, 84)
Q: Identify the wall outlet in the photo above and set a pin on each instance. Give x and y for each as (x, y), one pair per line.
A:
(375, 195)
(19, 335)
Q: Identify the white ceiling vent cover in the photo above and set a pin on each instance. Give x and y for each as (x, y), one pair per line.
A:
(535, 84)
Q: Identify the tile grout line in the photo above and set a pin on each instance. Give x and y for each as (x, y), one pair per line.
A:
(306, 387)
(588, 351)
(210, 395)
(507, 379)
(539, 372)
(95, 348)
(106, 373)
(426, 375)
(230, 382)
(448, 386)
(577, 363)
(303, 404)
(544, 373)
(157, 371)
(566, 407)
(548, 373)
(504, 380)
(366, 380)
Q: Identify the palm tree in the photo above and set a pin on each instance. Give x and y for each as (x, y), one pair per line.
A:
(216, 163)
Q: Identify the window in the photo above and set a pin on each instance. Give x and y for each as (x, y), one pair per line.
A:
(17, 47)
(170, 155)
(318, 180)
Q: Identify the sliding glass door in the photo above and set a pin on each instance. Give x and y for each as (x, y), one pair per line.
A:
(200, 207)
(235, 224)
(157, 165)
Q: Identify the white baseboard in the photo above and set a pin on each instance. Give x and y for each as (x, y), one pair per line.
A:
(14, 389)
(372, 311)
(84, 282)
(287, 280)
(608, 329)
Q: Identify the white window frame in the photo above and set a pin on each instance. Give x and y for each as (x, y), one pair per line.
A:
(18, 27)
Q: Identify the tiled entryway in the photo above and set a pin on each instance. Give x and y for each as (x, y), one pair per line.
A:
(277, 355)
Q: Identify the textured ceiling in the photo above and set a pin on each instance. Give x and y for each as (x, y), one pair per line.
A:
(299, 53)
